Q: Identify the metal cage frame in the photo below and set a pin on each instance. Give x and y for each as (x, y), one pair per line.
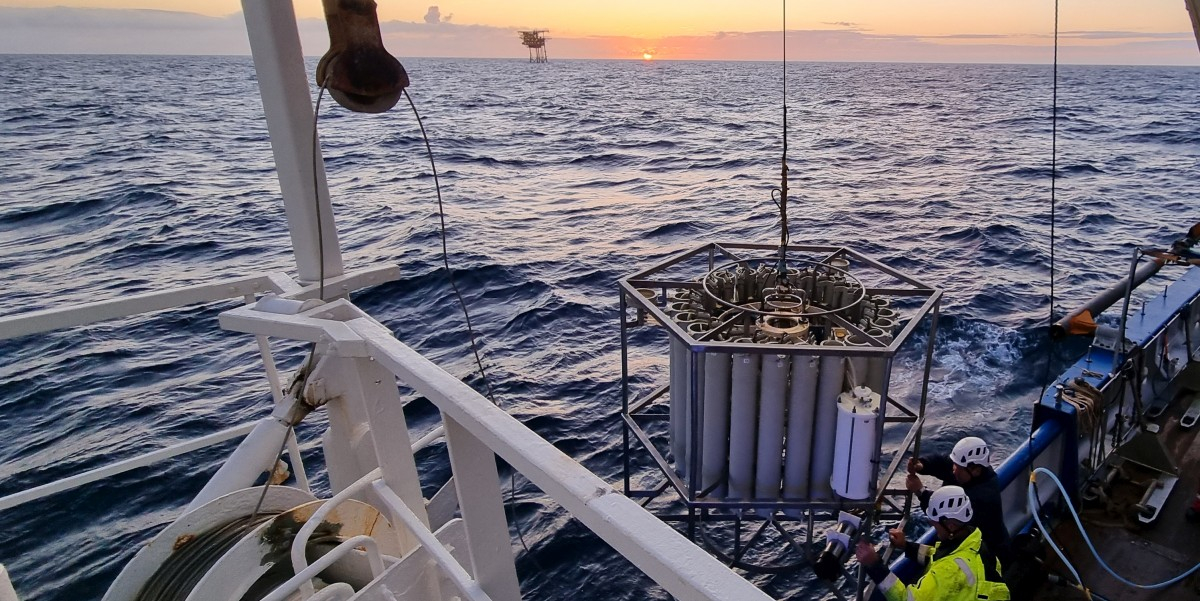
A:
(634, 309)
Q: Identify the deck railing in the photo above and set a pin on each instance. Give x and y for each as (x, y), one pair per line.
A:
(476, 431)
(365, 357)
(244, 288)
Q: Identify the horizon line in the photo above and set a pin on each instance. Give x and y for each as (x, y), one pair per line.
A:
(634, 59)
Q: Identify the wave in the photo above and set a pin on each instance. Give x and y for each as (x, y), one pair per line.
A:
(554, 187)
(674, 229)
(1170, 137)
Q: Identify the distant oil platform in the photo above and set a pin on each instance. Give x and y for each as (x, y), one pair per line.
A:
(536, 42)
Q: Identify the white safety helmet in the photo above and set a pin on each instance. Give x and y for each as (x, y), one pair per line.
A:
(970, 450)
(950, 502)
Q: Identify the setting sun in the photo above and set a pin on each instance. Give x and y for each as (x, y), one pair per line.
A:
(647, 56)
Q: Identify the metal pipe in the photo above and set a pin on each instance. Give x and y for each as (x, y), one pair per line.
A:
(286, 589)
(255, 456)
(452, 569)
(429, 439)
(119, 467)
(1082, 320)
(625, 475)
(300, 541)
(293, 447)
(46, 320)
(916, 445)
(1129, 286)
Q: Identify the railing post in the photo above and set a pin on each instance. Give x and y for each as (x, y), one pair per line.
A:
(7, 593)
(482, 506)
(368, 430)
(389, 433)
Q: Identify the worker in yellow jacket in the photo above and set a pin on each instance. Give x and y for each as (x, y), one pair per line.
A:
(959, 568)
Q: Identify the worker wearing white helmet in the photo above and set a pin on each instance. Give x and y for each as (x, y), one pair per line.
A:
(957, 568)
(968, 466)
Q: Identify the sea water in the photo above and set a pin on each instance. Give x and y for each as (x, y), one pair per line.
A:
(124, 175)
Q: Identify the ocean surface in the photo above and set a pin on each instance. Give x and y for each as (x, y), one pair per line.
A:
(125, 175)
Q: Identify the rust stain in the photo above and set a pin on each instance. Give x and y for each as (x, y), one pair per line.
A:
(182, 541)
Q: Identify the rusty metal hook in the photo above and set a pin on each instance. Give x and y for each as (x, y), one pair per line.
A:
(360, 73)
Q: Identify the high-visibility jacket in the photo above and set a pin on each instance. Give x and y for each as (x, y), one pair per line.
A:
(956, 576)
(984, 492)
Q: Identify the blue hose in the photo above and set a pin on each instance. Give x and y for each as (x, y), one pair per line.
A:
(1033, 503)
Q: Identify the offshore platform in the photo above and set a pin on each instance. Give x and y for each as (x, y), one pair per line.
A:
(536, 42)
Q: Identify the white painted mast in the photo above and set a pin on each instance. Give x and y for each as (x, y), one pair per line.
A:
(287, 102)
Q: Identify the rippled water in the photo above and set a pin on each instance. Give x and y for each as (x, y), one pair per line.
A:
(131, 174)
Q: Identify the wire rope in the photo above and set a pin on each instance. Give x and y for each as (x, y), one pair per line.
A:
(466, 315)
(781, 203)
(307, 369)
(1035, 506)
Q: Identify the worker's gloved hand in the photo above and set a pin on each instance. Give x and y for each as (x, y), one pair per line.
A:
(915, 466)
(913, 483)
(865, 552)
(896, 536)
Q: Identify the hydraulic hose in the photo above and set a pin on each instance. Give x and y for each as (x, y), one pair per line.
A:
(1033, 504)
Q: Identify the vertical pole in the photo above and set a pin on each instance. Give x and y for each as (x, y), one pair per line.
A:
(287, 102)
(624, 390)
(916, 452)
(1122, 353)
(367, 429)
(264, 349)
(7, 593)
(273, 378)
(1119, 362)
(877, 458)
(482, 506)
(695, 423)
(389, 429)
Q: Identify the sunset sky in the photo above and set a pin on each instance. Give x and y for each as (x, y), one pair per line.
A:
(1092, 31)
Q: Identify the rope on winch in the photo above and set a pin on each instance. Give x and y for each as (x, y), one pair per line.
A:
(191, 560)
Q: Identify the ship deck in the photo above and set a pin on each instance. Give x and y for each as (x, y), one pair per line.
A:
(1140, 553)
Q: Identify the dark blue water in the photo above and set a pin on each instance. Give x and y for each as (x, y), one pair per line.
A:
(124, 175)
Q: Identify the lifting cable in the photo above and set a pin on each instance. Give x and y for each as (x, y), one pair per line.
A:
(306, 371)
(1035, 505)
(1086, 398)
(781, 202)
(512, 489)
